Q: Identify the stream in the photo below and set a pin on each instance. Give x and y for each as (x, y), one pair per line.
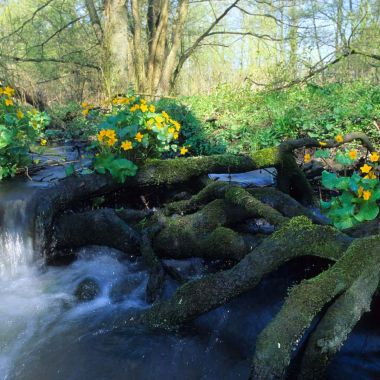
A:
(46, 334)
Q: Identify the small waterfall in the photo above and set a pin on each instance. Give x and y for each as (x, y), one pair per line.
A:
(16, 243)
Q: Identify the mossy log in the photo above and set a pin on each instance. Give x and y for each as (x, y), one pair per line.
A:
(277, 341)
(96, 227)
(155, 285)
(337, 323)
(204, 233)
(296, 238)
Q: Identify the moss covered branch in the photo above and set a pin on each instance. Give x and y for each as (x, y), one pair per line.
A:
(276, 343)
(296, 238)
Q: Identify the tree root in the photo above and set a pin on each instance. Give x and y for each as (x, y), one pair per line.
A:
(204, 234)
(97, 227)
(296, 238)
(155, 285)
(275, 344)
(285, 204)
(339, 320)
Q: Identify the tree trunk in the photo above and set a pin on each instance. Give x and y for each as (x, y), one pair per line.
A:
(115, 67)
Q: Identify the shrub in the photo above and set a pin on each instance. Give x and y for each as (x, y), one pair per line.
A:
(132, 132)
(357, 193)
(19, 130)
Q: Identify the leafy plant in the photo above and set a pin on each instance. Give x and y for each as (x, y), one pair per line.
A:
(19, 130)
(358, 193)
(132, 132)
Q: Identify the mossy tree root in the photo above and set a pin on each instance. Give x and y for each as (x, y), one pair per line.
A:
(277, 341)
(204, 233)
(296, 238)
(339, 320)
(253, 207)
(285, 204)
(155, 285)
(96, 227)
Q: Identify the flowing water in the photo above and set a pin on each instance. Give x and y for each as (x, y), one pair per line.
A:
(46, 334)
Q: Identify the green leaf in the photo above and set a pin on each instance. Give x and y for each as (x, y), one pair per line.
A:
(343, 159)
(345, 223)
(368, 211)
(322, 153)
(329, 180)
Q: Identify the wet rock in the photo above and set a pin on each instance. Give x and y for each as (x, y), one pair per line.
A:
(123, 289)
(87, 290)
(187, 269)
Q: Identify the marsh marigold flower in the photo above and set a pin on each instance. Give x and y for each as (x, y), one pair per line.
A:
(126, 145)
(322, 143)
(43, 142)
(183, 150)
(366, 168)
(165, 115)
(360, 191)
(139, 137)
(9, 91)
(144, 108)
(107, 136)
(374, 157)
(152, 108)
(352, 154)
(370, 175)
(339, 139)
(367, 195)
(307, 158)
(8, 102)
(20, 114)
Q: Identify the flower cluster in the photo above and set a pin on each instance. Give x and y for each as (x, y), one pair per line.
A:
(19, 129)
(86, 108)
(135, 131)
(358, 192)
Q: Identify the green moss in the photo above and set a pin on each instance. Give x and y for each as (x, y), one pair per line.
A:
(241, 198)
(227, 243)
(266, 157)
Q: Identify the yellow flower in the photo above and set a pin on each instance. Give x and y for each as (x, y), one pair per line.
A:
(152, 108)
(134, 108)
(159, 119)
(143, 101)
(183, 150)
(107, 136)
(307, 158)
(367, 195)
(339, 139)
(20, 115)
(175, 136)
(34, 125)
(374, 157)
(165, 115)
(352, 154)
(85, 105)
(8, 102)
(144, 108)
(176, 125)
(139, 137)
(171, 130)
(126, 145)
(370, 175)
(43, 142)
(322, 143)
(85, 111)
(360, 191)
(366, 168)
(9, 91)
